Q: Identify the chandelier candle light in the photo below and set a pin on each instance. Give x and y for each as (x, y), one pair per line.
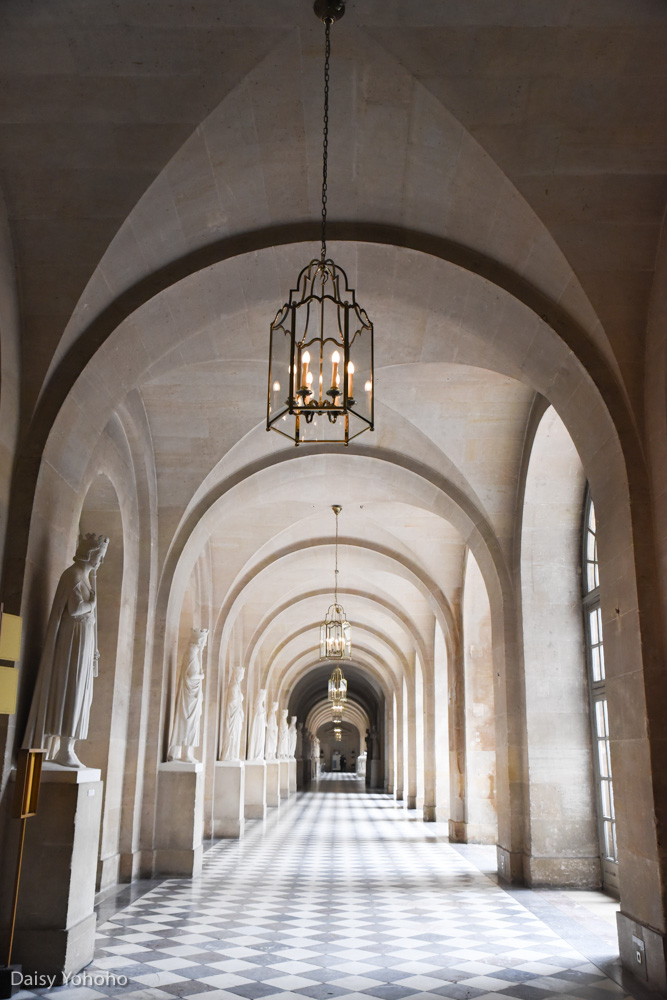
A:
(335, 641)
(321, 348)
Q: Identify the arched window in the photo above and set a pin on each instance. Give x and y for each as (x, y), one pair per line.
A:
(598, 695)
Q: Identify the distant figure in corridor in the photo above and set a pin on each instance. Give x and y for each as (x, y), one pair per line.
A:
(63, 693)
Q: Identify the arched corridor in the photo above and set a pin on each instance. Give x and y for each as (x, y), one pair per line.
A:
(343, 894)
(492, 180)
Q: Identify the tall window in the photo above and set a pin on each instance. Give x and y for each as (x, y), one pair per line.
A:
(599, 713)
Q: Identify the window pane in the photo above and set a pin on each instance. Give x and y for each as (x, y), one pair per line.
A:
(610, 840)
(600, 718)
(603, 756)
(602, 675)
(591, 518)
(605, 787)
(595, 663)
(593, 626)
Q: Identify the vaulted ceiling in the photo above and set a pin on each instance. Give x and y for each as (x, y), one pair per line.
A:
(497, 172)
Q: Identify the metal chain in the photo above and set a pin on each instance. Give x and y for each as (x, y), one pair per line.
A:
(325, 143)
(336, 572)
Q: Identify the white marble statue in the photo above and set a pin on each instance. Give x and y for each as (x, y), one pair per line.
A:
(189, 700)
(316, 748)
(291, 737)
(63, 693)
(272, 733)
(231, 745)
(258, 728)
(283, 736)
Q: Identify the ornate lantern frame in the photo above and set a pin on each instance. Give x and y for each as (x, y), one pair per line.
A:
(321, 343)
(321, 346)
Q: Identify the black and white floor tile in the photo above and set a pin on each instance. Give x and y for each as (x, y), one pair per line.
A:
(338, 894)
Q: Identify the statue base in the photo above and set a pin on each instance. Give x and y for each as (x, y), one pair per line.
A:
(291, 775)
(273, 783)
(179, 819)
(284, 779)
(255, 789)
(228, 798)
(55, 929)
(11, 977)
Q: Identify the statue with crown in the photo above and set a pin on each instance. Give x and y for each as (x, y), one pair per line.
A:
(63, 695)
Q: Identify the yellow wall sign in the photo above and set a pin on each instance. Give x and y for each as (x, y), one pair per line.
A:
(10, 637)
(9, 684)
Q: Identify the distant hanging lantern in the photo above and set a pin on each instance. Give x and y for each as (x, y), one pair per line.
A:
(335, 637)
(337, 693)
(338, 735)
(321, 349)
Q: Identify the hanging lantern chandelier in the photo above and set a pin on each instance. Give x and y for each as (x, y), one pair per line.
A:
(321, 348)
(337, 694)
(338, 735)
(335, 639)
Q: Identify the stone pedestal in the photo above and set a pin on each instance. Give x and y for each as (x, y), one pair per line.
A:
(643, 952)
(377, 774)
(273, 782)
(301, 773)
(55, 931)
(179, 818)
(291, 776)
(255, 789)
(284, 779)
(229, 798)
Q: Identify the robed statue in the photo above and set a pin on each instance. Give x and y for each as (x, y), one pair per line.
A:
(63, 693)
(189, 700)
(283, 736)
(292, 736)
(272, 733)
(231, 745)
(258, 728)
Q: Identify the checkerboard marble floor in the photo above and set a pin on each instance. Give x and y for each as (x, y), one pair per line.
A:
(341, 893)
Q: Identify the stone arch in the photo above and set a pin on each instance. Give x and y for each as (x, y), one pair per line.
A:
(354, 713)
(478, 709)
(559, 753)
